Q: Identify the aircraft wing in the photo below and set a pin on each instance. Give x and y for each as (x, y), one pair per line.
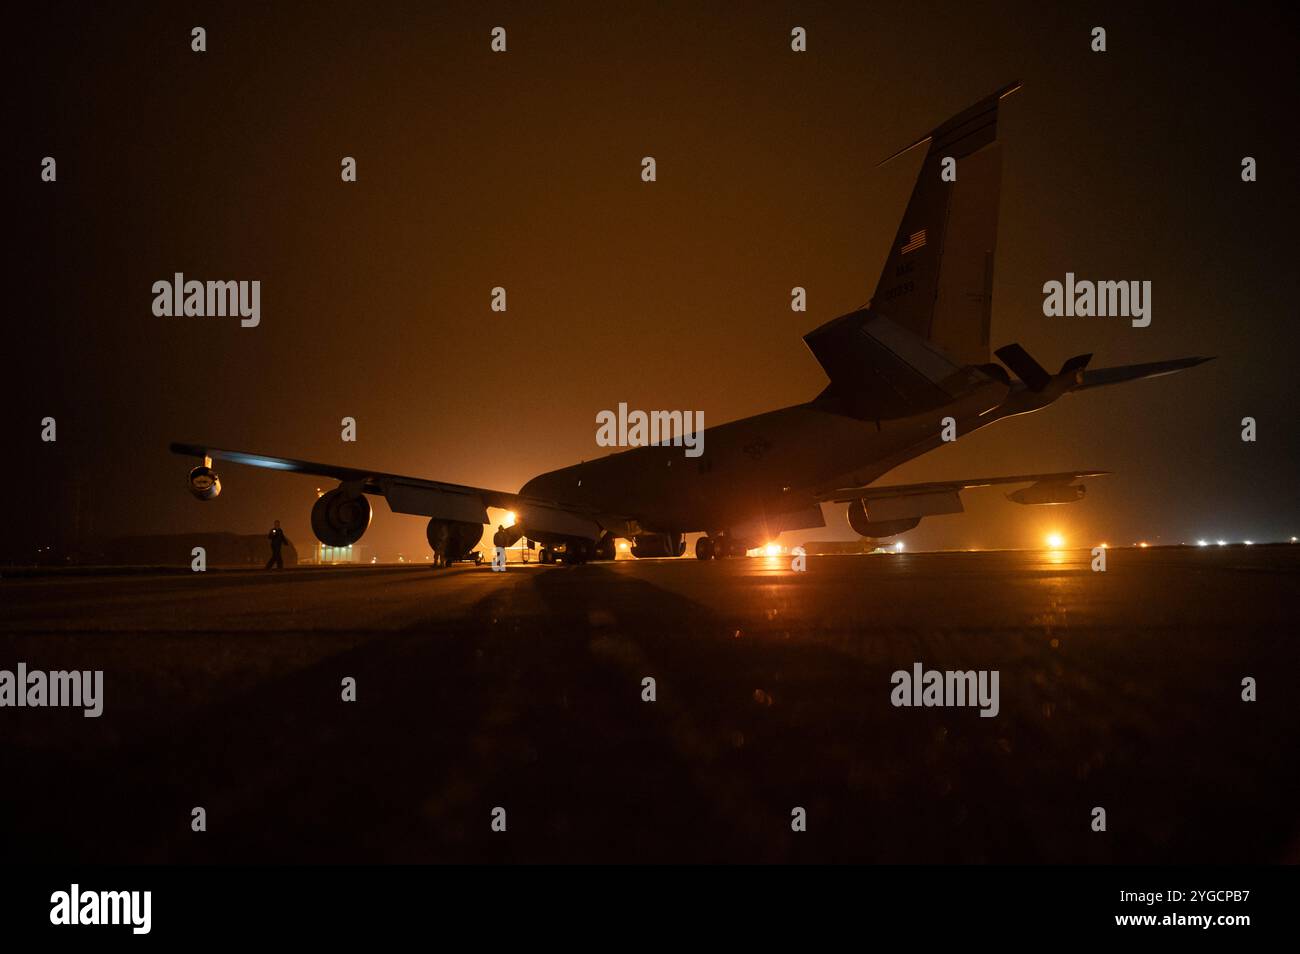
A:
(431, 498)
(869, 493)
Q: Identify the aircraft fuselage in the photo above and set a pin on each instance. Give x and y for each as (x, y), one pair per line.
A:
(756, 469)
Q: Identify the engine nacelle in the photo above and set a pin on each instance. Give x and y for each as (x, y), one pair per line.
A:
(876, 529)
(204, 483)
(451, 540)
(659, 545)
(339, 520)
(1057, 493)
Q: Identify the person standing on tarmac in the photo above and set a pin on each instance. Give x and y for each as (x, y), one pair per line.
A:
(501, 540)
(277, 538)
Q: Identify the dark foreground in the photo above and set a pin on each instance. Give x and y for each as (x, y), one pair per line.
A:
(523, 690)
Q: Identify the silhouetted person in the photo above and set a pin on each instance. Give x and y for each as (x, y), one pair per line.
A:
(276, 536)
(501, 539)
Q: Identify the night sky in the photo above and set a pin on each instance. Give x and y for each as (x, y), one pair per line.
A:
(522, 169)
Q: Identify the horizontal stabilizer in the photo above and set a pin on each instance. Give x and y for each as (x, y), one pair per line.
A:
(1035, 376)
(1025, 367)
(1101, 377)
(1075, 364)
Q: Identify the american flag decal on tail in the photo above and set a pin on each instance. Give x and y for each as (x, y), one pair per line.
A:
(915, 242)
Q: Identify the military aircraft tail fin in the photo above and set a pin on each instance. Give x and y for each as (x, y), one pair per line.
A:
(937, 281)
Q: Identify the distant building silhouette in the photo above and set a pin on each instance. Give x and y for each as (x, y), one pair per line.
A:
(175, 549)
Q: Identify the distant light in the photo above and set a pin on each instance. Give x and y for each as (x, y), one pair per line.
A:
(1143, 544)
(1055, 541)
(898, 547)
(1105, 546)
(1202, 543)
(1222, 543)
(1249, 543)
(772, 549)
(509, 519)
(1293, 539)
(623, 546)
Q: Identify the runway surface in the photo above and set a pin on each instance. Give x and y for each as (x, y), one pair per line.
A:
(523, 690)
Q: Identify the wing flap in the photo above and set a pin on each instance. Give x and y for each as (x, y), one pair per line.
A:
(415, 497)
(936, 488)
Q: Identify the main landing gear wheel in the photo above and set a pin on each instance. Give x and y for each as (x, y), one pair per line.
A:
(703, 548)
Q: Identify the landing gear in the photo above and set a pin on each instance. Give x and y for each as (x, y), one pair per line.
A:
(451, 540)
(659, 545)
(574, 551)
(718, 547)
(438, 534)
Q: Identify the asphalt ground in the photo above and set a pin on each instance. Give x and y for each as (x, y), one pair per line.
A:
(524, 691)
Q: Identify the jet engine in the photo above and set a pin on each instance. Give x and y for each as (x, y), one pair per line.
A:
(204, 483)
(866, 527)
(1051, 493)
(339, 520)
(659, 545)
(451, 540)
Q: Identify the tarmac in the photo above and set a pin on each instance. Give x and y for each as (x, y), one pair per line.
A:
(773, 705)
